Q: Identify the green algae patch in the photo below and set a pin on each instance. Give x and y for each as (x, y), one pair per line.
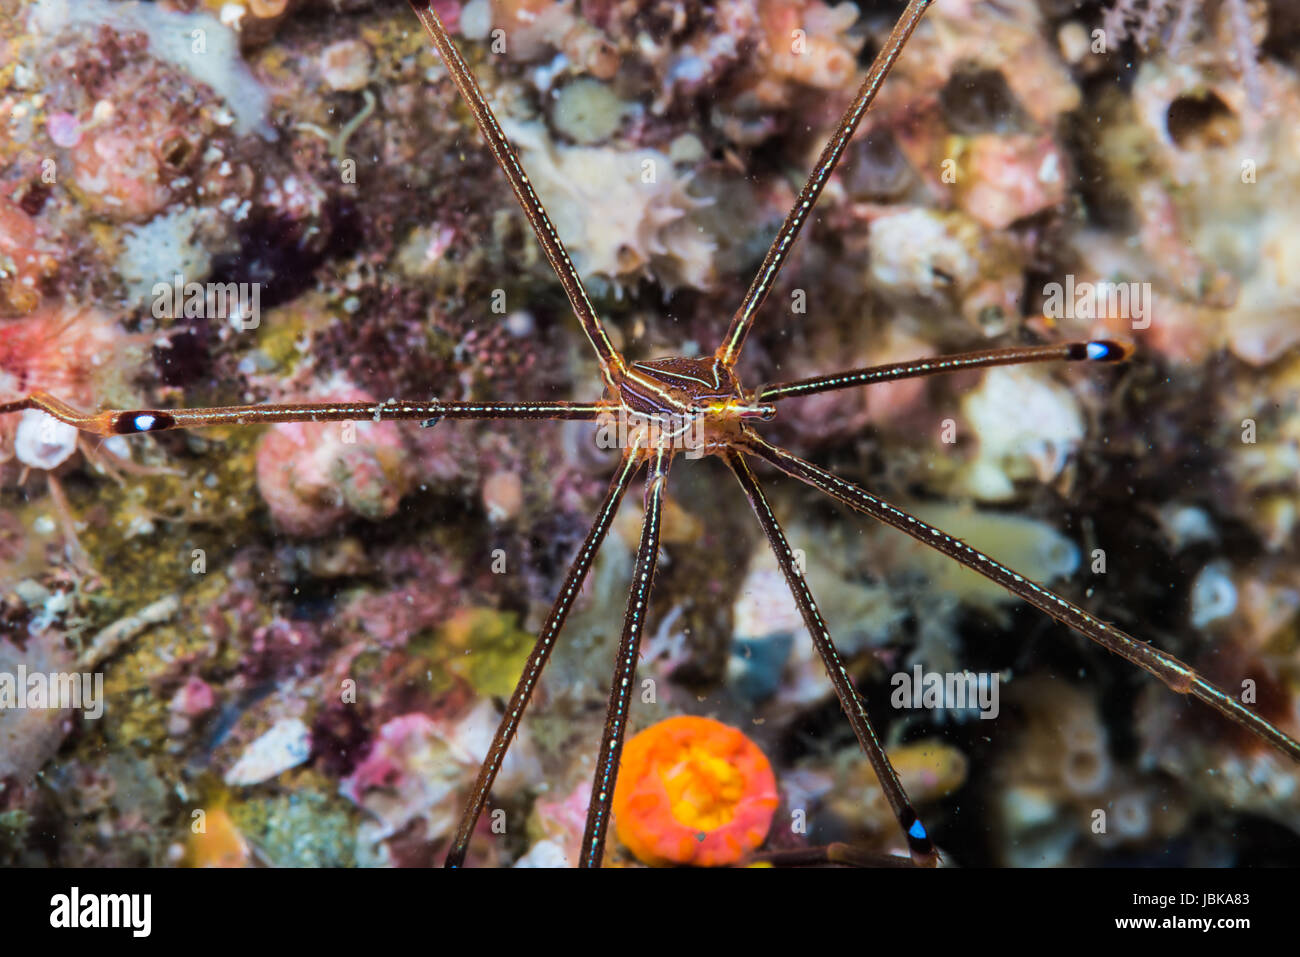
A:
(486, 648)
(305, 827)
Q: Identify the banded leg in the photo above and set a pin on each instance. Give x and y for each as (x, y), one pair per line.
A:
(1177, 675)
(541, 653)
(1099, 350)
(918, 841)
(611, 363)
(620, 691)
(741, 322)
(135, 421)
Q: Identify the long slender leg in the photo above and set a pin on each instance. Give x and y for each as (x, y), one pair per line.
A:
(620, 691)
(1099, 350)
(611, 363)
(834, 149)
(845, 855)
(541, 653)
(133, 421)
(918, 841)
(1179, 676)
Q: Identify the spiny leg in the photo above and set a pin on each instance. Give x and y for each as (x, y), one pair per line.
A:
(741, 322)
(541, 653)
(1179, 676)
(1098, 350)
(620, 691)
(918, 841)
(135, 421)
(611, 363)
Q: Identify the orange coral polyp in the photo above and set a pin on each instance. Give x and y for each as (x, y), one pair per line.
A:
(693, 791)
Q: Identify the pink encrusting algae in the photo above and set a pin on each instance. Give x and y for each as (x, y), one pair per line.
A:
(312, 476)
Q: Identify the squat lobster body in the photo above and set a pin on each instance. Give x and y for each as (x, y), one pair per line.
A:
(682, 403)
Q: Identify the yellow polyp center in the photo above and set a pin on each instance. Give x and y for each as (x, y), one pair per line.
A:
(703, 788)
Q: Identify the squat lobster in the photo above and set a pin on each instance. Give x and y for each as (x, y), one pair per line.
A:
(671, 404)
